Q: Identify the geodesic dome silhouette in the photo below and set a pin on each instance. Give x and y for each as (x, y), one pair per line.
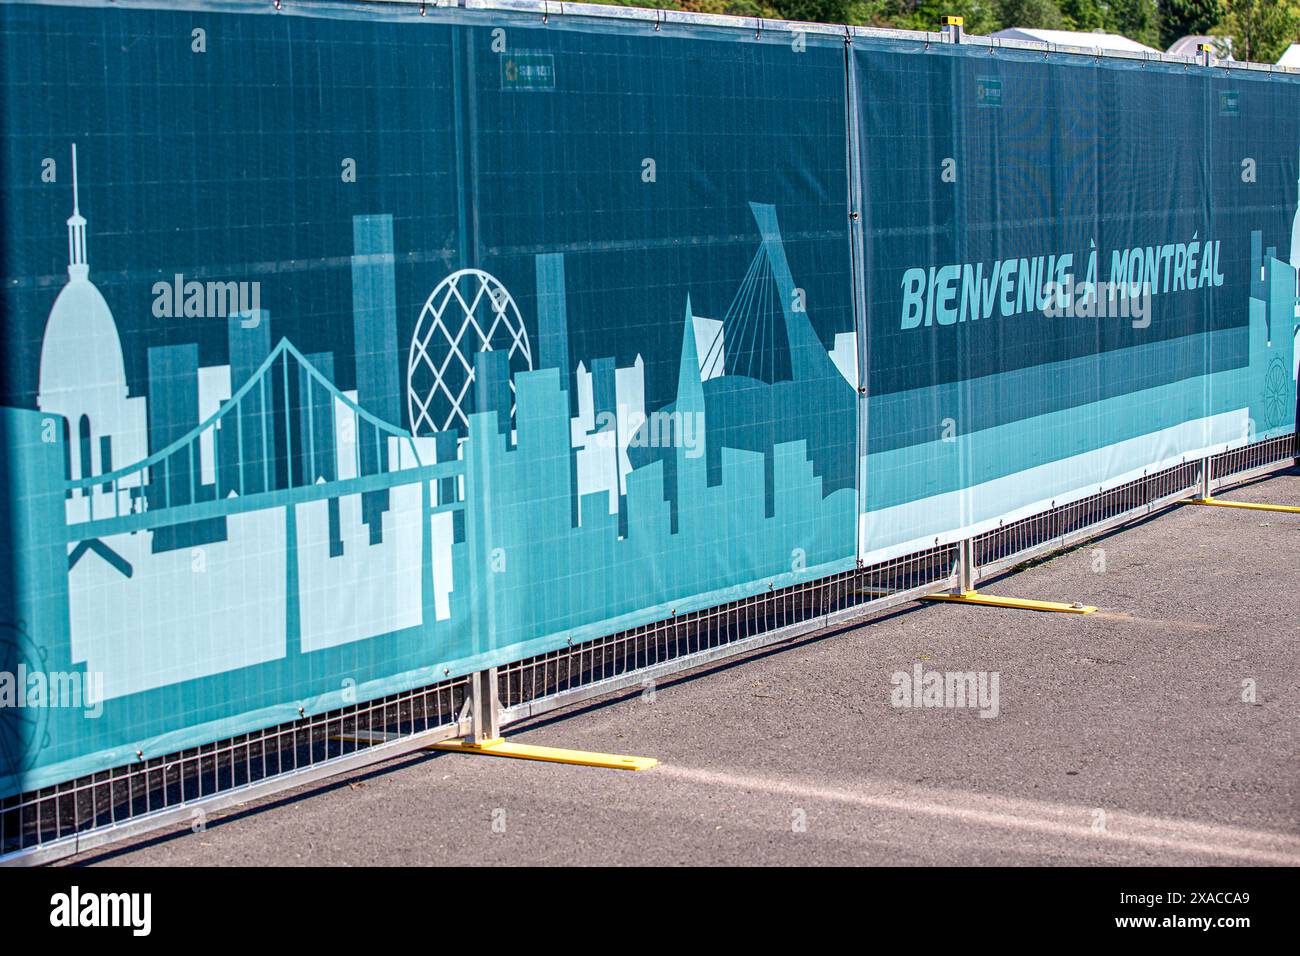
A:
(469, 311)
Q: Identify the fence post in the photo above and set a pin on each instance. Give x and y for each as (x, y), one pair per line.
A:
(965, 565)
(1205, 479)
(953, 28)
(484, 708)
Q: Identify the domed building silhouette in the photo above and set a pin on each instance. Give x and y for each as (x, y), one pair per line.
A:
(83, 379)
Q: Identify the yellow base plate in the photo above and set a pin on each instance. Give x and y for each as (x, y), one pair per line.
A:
(500, 748)
(582, 758)
(1250, 505)
(1021, 604)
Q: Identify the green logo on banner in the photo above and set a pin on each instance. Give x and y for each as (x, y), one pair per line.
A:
(988, 91)
(1229, 101)
(528, 72)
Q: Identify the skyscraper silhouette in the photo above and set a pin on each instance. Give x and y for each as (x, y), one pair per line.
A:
(374, 324)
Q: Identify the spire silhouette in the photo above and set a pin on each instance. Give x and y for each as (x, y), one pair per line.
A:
(690, 390)
(77, 265)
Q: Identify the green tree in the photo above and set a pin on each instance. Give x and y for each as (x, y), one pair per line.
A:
(1260, 29)
(815, 11)
(1136, 19)
(1041, 14)
(733, 8)
(871, 12)
(980, 15)
(1181, 18)
(1085, 15)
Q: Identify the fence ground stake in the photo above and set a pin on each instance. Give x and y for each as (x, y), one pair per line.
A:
(1250, 505)
(582, 758)
(503, 748)
(1021, 604)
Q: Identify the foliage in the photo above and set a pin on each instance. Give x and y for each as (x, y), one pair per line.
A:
(1181, 18)
(1259, 29)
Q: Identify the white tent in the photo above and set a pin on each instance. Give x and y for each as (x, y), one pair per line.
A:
(1291, 57)
(1092, 41)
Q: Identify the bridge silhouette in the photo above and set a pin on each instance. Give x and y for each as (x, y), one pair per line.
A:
(166, 488)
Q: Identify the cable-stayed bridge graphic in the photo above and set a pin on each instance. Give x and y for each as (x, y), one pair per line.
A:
(761, 362)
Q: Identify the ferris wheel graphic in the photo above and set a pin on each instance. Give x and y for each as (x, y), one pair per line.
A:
(1278, 394)
(24, 731)
(468, 312)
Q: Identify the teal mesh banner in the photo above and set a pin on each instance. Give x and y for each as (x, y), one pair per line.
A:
(1079, 270)
(349, 347)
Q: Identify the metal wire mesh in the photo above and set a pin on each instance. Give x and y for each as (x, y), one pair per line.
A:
(687, 638)
(1054, 527)
(107, 799)
(1240, 461)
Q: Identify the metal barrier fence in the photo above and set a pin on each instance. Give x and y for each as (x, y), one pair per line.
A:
(183, 788)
